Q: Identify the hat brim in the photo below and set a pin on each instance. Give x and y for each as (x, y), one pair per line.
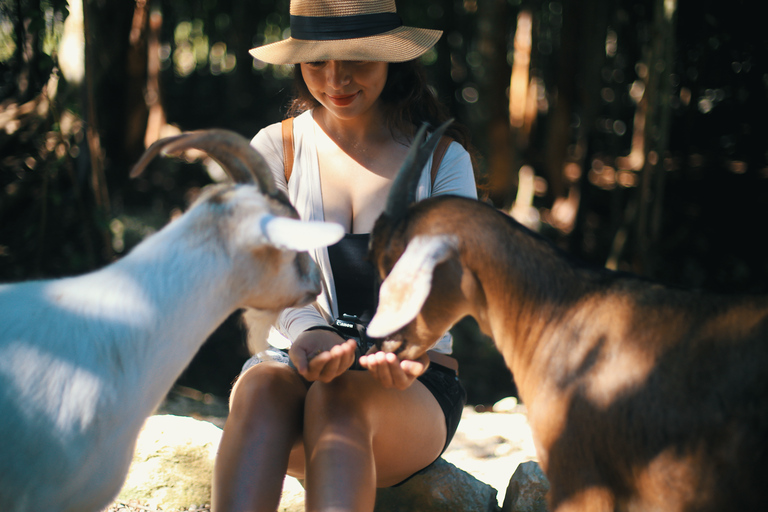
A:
(398, 45)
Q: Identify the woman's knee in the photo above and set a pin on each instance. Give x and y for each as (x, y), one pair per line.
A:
(343, 400)
(267, 385)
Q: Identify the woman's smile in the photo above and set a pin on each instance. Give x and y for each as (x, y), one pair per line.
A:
(347, 88)
(342, 100)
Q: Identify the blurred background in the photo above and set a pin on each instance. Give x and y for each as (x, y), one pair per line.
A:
(631, 133)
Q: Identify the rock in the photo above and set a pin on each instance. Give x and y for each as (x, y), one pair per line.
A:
(292, 498)
(172, 467)
(508, 404)
(174, 459)
(442, 487)
(183, 401)
(527, 490)
(489, 446)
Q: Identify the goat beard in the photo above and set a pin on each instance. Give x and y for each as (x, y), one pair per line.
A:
(399, 347)
(387, 345)
(258, 322)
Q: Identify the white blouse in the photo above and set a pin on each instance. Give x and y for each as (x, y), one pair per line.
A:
(454, 176)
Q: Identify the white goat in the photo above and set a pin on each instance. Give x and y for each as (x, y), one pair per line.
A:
(84, 360)
(640, 397)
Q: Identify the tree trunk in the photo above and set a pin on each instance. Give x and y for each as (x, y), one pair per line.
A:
(116, 35)
(493, 33)
(658, 95)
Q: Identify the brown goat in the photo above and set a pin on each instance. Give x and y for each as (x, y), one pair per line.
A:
(640, 396)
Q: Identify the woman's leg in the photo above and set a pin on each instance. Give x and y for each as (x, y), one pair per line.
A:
(262, 430)
(359, 435)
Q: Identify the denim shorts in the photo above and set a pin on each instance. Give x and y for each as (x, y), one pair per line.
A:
(441, 381)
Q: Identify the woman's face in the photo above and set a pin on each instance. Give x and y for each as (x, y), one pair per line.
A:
(345, 88)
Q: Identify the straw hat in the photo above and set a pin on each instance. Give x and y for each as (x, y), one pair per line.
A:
(368, 30)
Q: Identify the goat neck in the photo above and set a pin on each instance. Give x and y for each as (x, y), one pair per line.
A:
(488, 256)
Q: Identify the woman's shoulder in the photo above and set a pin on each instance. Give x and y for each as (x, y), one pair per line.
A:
(455, 174)
(273, 134)
(455, 149)
(269, 134)
(269, 138)
(269, 143)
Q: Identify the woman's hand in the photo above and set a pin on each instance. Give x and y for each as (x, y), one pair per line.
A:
(388, 369)
(322, 355)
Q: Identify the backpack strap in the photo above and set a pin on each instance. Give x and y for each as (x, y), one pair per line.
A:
(287, 147)
(442, 147)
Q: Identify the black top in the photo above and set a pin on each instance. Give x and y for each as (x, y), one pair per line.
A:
(354, 276)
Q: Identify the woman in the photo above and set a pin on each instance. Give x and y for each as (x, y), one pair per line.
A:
(360, 98)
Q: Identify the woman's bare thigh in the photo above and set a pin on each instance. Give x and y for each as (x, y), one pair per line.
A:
(408, 430)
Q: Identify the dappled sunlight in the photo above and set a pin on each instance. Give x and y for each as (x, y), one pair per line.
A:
(109, 295)
(607, 177)
(518, 86)
(193, 51)
(72, 47)
(74, 391)
(522, 209)
(563, 213)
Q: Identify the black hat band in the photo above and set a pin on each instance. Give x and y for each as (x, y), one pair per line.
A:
(328, 28)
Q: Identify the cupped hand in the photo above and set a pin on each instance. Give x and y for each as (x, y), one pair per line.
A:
(322, 355)
(388, 369)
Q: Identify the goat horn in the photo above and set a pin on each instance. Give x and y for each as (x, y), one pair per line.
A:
(403, 191)
(231, 150)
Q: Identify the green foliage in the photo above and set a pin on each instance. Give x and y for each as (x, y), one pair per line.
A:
(44, 19)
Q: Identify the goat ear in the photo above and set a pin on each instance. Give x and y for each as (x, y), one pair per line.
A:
(405, 290)
(297, 235)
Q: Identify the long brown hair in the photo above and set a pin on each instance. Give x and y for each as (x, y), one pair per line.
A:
(407, 102)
